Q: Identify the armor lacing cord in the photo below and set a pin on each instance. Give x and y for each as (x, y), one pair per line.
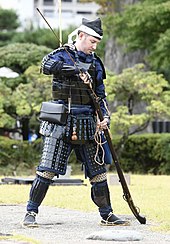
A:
(98, 140)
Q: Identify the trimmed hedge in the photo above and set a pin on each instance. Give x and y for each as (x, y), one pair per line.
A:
(146, 153)
(142, 154)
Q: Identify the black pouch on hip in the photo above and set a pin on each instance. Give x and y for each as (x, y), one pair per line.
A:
(53, 112)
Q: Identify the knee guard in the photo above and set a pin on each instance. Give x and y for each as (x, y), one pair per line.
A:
(46, 174)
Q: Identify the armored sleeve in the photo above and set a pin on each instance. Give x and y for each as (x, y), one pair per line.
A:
(100, 92)
(100, 88)
(55, 63)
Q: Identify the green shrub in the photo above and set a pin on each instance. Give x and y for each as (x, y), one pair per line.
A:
(16, 155)
(162, 153)
(146, 153)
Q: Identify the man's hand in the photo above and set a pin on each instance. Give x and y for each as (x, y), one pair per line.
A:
(102, 124)
(86, 78)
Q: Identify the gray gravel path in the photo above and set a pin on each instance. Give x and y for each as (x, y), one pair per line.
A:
(63, 226)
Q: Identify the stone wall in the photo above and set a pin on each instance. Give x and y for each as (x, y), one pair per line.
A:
(116, 59)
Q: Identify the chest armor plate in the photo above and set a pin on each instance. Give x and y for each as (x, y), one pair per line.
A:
(74, 87)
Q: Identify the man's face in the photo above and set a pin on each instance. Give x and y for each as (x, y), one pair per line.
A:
(88, 43)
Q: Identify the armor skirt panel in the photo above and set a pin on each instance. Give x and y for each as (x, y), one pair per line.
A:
(56, 151)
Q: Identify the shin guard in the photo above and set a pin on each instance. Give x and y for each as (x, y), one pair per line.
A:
(37, 193)
(101, 197)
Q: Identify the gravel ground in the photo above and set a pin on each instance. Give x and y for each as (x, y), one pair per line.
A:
(62, 226)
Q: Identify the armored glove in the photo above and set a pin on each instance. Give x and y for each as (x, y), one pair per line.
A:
(62, 68)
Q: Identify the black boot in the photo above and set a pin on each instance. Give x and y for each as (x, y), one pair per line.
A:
(112, 220)
(37, 193)
(29, 220)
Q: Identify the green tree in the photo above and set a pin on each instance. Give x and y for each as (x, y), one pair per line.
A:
(5, 93)
(21, 97)
(133, 89)
(43, 37)
(107, 6)
(8, 20)
(8, 25)
(19, 56)
(27, 98)
(23, 103)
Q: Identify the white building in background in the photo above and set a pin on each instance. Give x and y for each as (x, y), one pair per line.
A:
(71, 13)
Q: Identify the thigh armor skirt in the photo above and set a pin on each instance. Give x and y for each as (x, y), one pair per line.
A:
(58, 144)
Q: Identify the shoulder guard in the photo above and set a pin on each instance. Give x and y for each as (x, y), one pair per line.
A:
(70, 46)
(102, 65)
(65, 47)
(57, 50)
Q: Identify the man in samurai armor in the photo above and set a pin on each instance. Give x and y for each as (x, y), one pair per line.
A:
(74, 66)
